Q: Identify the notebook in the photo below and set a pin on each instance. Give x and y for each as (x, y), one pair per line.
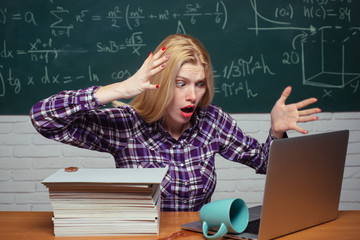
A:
(302, 186)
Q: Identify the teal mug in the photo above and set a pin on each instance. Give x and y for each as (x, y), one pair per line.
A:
(223, 216)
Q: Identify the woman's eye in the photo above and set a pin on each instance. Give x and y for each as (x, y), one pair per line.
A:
(201, 84)
(180, 84)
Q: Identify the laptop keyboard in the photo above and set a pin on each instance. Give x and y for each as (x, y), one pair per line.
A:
(253, 227)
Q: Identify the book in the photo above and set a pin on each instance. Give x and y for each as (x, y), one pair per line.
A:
(97, 202)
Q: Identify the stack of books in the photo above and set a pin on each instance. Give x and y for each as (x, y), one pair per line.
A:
(95, 202)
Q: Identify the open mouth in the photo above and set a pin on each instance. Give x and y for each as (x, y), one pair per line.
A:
(187, 111)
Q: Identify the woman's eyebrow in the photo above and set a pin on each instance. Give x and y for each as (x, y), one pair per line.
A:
(185, 78)
(179, 76)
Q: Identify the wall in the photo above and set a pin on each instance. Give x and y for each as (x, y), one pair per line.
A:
(26, 158)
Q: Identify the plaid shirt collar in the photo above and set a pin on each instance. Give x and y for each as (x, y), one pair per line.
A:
(188, 135)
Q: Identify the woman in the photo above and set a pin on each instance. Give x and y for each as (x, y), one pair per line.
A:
(170, 122)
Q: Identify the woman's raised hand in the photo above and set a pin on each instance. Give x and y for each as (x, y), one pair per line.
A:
(285, 117)
(137, 83)
(141, 80)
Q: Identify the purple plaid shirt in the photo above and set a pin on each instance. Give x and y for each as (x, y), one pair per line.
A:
(75, 118)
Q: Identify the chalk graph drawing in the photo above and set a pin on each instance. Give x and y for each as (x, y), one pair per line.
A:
(328, 57)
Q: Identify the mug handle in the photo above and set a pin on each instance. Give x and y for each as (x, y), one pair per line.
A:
(220, 233)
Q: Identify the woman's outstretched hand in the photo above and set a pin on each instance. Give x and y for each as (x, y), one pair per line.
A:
(137, 83)
(285, 117)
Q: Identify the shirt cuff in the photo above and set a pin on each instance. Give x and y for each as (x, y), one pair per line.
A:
(273, 137)
(87, 100)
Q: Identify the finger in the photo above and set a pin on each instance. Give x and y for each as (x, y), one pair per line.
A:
(306, 103)
(150, 87)
(308, 112)
(154, 86)
(159, 53)
(300, 130)
(150, 55)
(307, 119)
(147, 60)
(155, 56)
(158, 69)
(285, 94)
(161, 61)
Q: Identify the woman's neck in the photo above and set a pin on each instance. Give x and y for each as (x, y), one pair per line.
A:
(175, 130)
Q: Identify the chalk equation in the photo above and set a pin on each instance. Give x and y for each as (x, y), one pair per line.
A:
(257, 47)
(132, 16)
(16, 81)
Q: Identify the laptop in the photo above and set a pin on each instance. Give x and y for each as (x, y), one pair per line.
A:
(302, 186)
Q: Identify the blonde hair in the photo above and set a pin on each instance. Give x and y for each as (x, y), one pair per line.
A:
(183, 48)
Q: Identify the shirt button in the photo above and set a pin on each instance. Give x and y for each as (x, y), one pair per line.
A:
(186, 183)
(86, 105)
(181, 164)
(185, 201)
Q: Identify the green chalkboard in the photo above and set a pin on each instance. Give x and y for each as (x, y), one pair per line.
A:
(257, 47)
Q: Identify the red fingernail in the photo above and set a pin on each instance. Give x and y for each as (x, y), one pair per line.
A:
(164, 47)
(150, 54)
(157, 85)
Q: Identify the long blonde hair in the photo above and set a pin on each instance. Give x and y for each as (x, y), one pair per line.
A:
(183, 48)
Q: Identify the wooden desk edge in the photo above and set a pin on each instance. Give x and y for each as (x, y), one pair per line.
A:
(38, 225)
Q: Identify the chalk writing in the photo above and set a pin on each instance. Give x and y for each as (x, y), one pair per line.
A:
(243, 68)
(45, 78)
(237, 88)
(257, 47)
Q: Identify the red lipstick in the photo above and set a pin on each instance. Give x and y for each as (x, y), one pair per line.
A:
(187, 111)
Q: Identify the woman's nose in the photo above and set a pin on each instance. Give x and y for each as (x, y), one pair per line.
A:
(191, 95)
